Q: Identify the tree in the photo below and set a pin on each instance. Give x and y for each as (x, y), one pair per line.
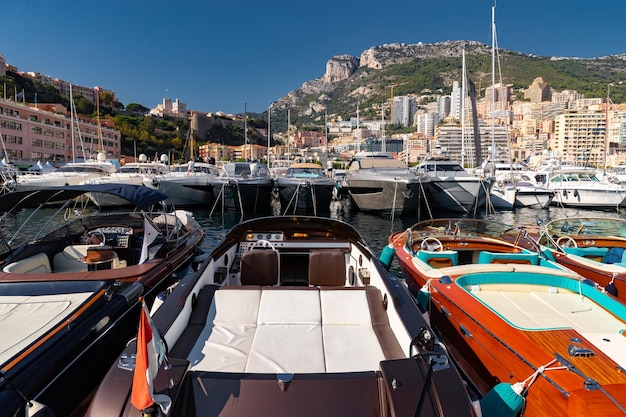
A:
(84, 106)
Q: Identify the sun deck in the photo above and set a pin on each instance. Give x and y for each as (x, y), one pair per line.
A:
(534, 307)
(254, 329)
(25, 318)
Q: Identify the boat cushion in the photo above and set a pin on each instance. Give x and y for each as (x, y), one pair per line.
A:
(327, 267)
(259, 267)
(35, 264)
(294, 330)
(439, 259)
(485, 257)
(592, 252)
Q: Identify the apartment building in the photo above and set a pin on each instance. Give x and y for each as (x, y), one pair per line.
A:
(580, 136)
(459, 146)
(32, 133)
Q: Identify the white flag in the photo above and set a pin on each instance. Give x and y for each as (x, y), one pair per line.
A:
(150, 233)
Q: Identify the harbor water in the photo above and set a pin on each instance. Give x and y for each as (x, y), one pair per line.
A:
(376, 227)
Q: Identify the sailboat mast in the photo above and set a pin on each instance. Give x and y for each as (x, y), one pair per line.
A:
(383, 147)
(245, 130)
(606, 127)
(72, 124)
(463, 89)
(357, 139)
(288, 133)
(493, 83)
(98, 119)
(269, 133)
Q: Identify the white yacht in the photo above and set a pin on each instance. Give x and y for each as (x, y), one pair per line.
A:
(519, 189)
(451, 187)
(131, 173)
(72, 173)
(580, 187)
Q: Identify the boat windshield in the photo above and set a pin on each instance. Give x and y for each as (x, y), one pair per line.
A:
(304, 172)
(374, 163)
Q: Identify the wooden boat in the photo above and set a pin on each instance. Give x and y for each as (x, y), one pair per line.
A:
(592, 246)
(290, 315)
(511, 316)
(68, 306)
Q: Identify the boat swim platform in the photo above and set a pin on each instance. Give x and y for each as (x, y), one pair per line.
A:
(540, 307)
(273, 329)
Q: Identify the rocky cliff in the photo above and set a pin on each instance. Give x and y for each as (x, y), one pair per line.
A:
(341, 68)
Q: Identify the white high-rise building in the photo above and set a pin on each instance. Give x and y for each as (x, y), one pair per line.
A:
(403, 110)
(455, 100)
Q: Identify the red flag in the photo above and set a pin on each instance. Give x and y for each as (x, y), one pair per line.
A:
(150, 353)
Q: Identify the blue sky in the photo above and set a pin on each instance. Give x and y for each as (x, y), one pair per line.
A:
(227, 56)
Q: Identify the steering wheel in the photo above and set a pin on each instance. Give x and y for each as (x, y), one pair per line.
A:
(262, 243)
(89, 237)
(567, 242)
(431, 244)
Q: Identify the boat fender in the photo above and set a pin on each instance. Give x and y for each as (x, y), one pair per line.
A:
(503, 400)
(576, 193)
(564, 193)
(446, 280)
(610, 287)
(386, 256)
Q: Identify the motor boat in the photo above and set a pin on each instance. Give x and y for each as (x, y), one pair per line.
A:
(72, 173)
(187, 186)
(376, 181)
(549, 341)
(580, 187)
(519, 190)
(243, 186)
(305, 187)
(130, 173)
(593, 247)
(289, 315)
(451, 188)
(70, 290)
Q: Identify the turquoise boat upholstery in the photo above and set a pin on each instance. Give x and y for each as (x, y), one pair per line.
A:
(606, 301)
(590, 252)
(485, 257)
(439, 259)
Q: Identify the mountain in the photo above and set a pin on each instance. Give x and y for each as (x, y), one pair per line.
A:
(432, 68)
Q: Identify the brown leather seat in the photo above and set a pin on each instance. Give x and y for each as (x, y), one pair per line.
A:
(259, 267)
(327, 268)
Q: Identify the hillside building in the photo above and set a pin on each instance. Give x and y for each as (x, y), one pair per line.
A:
(43, 132)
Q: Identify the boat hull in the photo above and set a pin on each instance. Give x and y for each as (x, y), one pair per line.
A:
(589, 197)
(385, 195)
(185, 191)
(236, 194)
(305, 196)
(457, 194)
(533, 198)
